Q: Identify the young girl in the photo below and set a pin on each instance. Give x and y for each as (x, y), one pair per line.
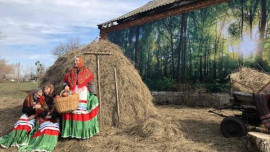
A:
(25, 126)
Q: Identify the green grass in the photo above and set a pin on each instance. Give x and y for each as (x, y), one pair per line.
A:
(15, 89)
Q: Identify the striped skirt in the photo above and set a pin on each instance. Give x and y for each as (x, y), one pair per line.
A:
(45, 138)
(20, 134)
(81, 123)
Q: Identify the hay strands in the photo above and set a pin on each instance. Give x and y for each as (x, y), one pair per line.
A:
(97, 53)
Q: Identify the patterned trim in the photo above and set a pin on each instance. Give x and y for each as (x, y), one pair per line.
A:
(24, 124)
(84, 76)
(81, 117)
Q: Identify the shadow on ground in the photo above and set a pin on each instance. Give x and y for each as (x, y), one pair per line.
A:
(208, 133)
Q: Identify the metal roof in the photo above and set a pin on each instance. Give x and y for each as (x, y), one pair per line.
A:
(152, 5)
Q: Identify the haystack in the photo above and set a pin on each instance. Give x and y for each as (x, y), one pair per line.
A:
(249, 80)
(135, 98)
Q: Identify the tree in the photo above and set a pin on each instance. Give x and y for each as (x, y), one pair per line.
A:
(242, 19)
(262, 26)
(137, 46)
(40, 69)
(185, 47)
(5, 68)
(181, 48)
(169, 30)
(252, 8)
(70, 45)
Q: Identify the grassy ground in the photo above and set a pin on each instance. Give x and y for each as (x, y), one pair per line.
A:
(15, 89)
(197, 130)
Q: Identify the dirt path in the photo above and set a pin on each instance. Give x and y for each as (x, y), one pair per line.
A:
(198, 131)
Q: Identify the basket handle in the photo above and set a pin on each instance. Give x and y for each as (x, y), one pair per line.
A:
(61, 93)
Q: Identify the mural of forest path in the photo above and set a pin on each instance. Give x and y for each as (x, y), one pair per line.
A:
(203, 45)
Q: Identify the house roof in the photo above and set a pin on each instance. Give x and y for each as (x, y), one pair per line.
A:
(151, 6)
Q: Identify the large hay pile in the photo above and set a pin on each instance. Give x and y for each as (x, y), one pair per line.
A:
(249, 80)
(135, 98)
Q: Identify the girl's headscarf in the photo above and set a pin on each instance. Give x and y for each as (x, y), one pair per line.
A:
(83, 77)
(37, 90)
(81, 62)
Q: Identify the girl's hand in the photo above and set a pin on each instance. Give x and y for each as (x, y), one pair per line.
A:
(32, 117)
(66, 88)
(48, 117)
(53, 109)
(37, 106)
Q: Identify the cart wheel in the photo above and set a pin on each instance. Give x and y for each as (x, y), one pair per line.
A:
(233, 127)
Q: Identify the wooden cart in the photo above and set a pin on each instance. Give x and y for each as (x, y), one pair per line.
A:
(236, 126)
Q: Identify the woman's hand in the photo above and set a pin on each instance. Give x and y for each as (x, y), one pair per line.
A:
(67, 88)
(48, 117)
(32, 117)
(37, 106)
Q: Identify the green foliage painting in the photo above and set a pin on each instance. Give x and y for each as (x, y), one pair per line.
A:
(201, 46)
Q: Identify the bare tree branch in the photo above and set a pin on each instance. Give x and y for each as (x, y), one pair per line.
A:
(5, 68)
(63, 48)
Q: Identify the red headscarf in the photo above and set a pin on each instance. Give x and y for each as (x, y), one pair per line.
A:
(84, 76)
(81, 62)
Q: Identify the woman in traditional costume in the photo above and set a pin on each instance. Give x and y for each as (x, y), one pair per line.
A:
(82, 123)
(46, 136)
(25, 126)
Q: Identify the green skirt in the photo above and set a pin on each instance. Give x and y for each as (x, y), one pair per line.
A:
(20, 134)
(83, 122)
(45, 138)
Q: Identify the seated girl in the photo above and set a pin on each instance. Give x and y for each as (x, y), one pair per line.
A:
(25, 126)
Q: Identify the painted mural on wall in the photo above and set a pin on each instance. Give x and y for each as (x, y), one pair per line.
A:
(201, 46)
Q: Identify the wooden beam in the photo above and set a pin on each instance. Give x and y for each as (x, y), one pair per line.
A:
(98, 52)
(117, 97)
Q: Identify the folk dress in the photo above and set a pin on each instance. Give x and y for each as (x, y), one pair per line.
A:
(23, 128)
(83, 122)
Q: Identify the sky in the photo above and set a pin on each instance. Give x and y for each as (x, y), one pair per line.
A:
(31, 29)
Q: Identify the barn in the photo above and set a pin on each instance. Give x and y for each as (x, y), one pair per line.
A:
(172, 42)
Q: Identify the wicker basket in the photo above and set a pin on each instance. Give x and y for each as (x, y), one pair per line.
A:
(66, 104)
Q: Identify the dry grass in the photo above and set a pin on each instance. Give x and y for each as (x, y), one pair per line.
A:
(249, 80)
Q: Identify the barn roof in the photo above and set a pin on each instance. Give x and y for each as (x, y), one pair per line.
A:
(149, 8)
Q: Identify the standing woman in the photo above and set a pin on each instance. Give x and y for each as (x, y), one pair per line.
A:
(25, 126)
(82, 123)
(46, 136)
